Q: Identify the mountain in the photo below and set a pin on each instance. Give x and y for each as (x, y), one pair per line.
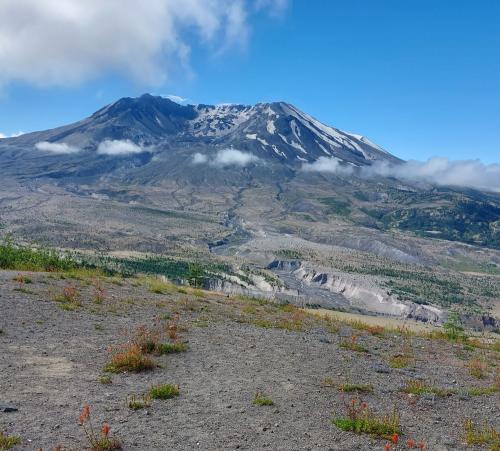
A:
(237, 186)
(276, 132)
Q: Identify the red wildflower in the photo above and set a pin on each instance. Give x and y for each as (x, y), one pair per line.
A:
(395, 438)
(410, 443)
(105, 429)
(387, 447)
(421, 446)
(84, 414)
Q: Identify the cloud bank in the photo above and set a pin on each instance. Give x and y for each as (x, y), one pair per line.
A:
(439, 171)
(116, 147)
(226, 157)
(442, 171)
(56, 148)
(66, 42)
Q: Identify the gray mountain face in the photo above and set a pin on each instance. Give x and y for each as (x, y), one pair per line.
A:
(277, 133)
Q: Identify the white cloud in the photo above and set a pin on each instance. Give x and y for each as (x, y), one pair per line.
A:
(227, 157)
(13, 135)
(327, 164)
(199, 158)
(57, 148)
(439, 171)
(66, 42)
(176, 99)
(116, 147)
(442, 171)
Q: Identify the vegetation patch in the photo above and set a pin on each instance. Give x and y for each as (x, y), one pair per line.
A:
(129, 358)
(401, 361)
(360, 419)
(478, 368)
(98, 441)
(417, 387)
(481, 435)
(262, 400)
(33, 259)
(105, 379)
(352, 344)
(8, 441)
(336, 206)
(361, 388)
(165, 391)
(137, 402)
(169, 348)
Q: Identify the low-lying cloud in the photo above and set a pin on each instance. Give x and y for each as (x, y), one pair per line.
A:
(327, 165)
(439, 171)
(12, 135)
(442, 171)
(227, 157)
(56, 148)
(117, 147)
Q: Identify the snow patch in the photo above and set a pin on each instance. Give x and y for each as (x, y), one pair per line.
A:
(297, 146)
(279, 152)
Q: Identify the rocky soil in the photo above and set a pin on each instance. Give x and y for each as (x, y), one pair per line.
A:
(52, 357)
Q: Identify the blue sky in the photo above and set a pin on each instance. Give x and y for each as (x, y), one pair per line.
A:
(419, 77)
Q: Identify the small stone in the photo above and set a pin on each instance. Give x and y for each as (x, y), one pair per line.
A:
(381, 368)
(6, 408)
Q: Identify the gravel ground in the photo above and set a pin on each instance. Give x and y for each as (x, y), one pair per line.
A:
(51, 360)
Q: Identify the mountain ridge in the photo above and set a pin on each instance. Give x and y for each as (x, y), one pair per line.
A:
(275, 131)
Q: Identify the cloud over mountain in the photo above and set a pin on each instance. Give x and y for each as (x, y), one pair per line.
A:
(57, 148)
(328, 165)
(226, 157)
(116, 147)
(442, 171)
(439, 171)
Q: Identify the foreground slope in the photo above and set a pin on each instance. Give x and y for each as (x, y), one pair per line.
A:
(57, 328)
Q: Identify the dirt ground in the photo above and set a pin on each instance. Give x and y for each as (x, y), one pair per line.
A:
(51, 361)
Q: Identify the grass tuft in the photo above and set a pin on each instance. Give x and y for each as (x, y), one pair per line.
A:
(105, 379)
(165, 391)
(361, 388)
(261, 400)
(485, 435)
(169, 348)
(129, 359)
(478, 368)
(7, 442)
(360, 419)
(135, 402)
(417, 387)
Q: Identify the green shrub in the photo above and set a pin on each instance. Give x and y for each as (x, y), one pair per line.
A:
(348, 388)
(360, 419)
(7, 442)
(169, 348)
(164, 391)
(262, 400)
